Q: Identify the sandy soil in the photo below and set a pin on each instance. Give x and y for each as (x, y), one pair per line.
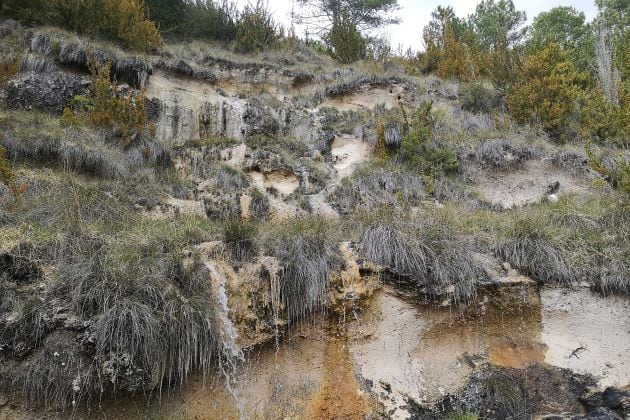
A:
(526, 185)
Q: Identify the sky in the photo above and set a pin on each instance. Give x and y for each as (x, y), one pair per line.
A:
(415, 14)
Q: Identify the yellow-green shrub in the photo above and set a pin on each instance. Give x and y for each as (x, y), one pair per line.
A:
(126, 115)
(604, 121)
(256, 29)
(456, 59)
(126, 20)
(545, 90)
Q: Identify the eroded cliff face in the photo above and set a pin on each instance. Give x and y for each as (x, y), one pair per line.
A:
(267, 142)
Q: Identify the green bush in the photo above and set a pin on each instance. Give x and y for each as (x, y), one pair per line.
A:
(256, 29)
(126, 115)
(545, 91)
(169, 15)
(209, 20)
(478, 98)
(345, 42)
(417, 151)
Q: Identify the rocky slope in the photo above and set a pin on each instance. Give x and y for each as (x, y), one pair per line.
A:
(259, 217)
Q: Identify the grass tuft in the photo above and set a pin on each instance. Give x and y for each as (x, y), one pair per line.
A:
(503, 154)
(433, 259)
(307, 255)
(239, 236)
(535, 257)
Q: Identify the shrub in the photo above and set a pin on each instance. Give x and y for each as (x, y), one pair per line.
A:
(209, 20)
(345, 42)
(605, 121)
(75, 15)
(32, 11)
(169, 15)
(119, 19)
(416, 151)
(478, 98)
(125, 19)
(256, 29)
(546, 90)
(457, 57)
(105, 108)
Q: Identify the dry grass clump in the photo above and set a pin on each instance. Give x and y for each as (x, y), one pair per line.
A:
(307, 254)
(144, 318)
(579, 238)
(451, 190)
(503, 154)
(59, 375)
(80, 151)
(530, 249)
(538, 259)
(147, 328)
(570, 160)
(615, 279)
(239, 236)
(18, 266)
(372, 186)
(427, 257)
(24, 325)
(613, 274)
(259, 206)
(36, 64)
(43, 139)
(228, 179)
(358, 83)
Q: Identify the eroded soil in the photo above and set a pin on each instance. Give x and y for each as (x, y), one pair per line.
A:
(379, 357)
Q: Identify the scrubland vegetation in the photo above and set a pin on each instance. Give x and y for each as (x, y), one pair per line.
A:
(91, 261)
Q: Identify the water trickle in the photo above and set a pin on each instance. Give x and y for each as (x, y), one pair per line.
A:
(233, 353)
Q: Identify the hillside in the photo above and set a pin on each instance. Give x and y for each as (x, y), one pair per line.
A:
(336, 241)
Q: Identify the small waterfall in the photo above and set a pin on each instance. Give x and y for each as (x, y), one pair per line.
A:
(276, 302)
(231, 351)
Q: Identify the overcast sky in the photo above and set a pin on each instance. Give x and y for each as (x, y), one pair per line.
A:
(414, 14)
